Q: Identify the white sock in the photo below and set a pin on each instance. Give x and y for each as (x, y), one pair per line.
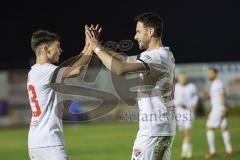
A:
(211, 141)
(184, 149)
(226, 140)
(189, 151)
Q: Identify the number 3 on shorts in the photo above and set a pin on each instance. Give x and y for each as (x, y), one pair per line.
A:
(34, 100)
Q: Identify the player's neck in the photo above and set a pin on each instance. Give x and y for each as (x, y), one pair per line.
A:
(42, 59)
(183, 84)
(214, 79)
(155, 43)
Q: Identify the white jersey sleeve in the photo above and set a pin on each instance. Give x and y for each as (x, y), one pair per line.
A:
(154, 63)
(131, 59)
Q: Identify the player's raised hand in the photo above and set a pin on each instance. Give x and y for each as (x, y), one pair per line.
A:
(87, 39)
(93, 34)
(96, 30)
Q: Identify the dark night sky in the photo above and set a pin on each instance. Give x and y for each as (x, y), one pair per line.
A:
(196, 31)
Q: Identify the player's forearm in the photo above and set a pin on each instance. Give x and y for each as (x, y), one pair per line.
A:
(110, 62)
(81, 61)
(117, 55)
(222, 99)
(84, 57)
(86, 49)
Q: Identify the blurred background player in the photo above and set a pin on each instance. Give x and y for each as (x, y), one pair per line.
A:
(156, 67)
(45, 138)
(185, 100)
(217, 117)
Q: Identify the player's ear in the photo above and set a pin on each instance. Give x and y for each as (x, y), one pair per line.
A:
(46, 50)
(151, 32)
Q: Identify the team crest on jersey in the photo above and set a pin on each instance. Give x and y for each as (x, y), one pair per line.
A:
(137, 153)
(147, 57)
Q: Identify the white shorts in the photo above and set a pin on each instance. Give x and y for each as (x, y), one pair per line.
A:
(216, 121)
(48, 153)
(184, 118)
(152, 148)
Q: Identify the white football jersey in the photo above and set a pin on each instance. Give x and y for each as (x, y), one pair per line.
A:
(185, 95)
(155, 94)
(46, 127)
(216, 90)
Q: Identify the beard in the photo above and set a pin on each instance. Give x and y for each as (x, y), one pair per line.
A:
(143, 44)
(54, 59)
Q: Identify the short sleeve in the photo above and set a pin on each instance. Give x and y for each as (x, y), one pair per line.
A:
(152, 62)
(47, 72)
(131, 59)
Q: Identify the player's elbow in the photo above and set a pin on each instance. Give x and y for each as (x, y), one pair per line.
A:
(74, 73)
(77, 71)
(120, 71)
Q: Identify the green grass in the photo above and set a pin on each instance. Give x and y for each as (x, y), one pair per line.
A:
(113, 141)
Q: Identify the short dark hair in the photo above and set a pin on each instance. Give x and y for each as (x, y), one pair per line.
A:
(213, 69)
(151, 20)
(43, 37)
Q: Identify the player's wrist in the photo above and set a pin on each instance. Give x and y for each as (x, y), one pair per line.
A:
(97, 49)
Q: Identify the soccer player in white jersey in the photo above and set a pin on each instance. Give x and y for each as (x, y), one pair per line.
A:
(45, 138)
(185, 100)
(157, 123)
(217, 117)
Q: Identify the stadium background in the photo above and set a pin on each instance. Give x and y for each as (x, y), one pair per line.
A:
(200, 34)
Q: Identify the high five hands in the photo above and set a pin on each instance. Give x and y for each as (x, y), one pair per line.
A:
(92, 35)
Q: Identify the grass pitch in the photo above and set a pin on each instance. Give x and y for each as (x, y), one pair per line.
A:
(113, 141)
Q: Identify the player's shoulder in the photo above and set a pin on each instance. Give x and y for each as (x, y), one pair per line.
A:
(46, 66)
(42, 69)
(191, 85)
(177, 86)
(162, 51)
(49, 65)
(158, 54)
(218, 82)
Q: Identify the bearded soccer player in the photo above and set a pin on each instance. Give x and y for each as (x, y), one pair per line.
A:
(155, 95)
